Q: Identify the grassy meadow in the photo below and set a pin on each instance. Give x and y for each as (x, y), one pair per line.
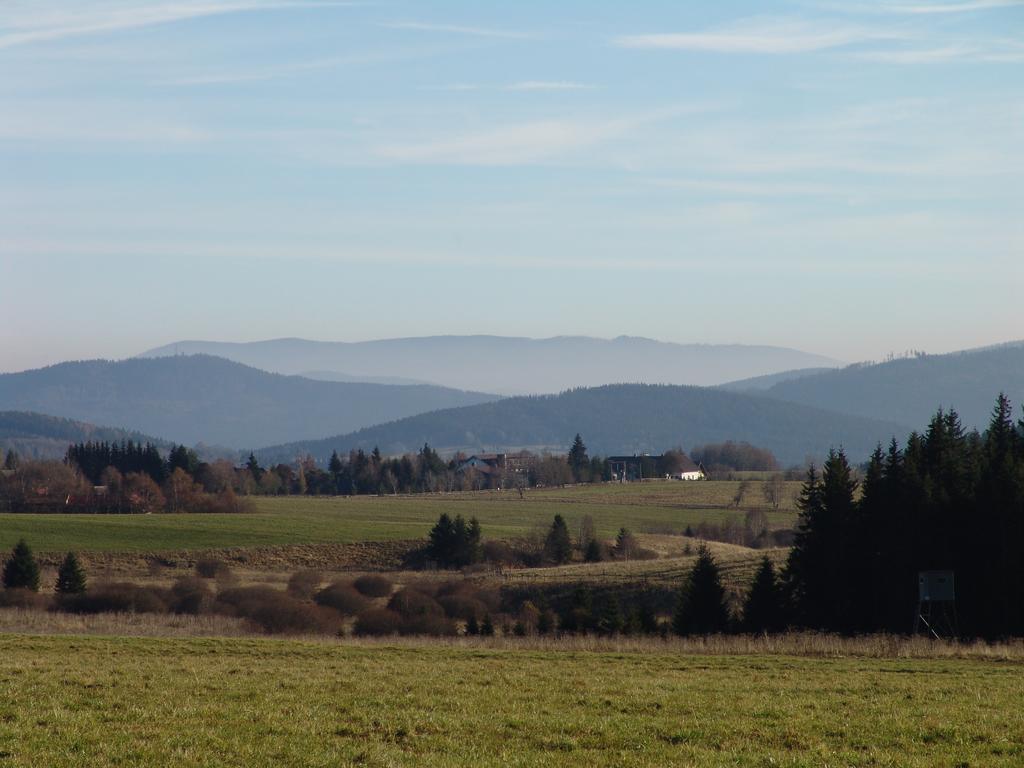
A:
(71, 701)
(288, 520)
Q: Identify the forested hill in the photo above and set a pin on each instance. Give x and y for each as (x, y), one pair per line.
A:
(198, 398)
(37, 436)
(618, 419)
(511, 365)
(910, 390)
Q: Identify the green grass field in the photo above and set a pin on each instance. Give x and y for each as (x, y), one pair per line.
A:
(659, 506)
(74, 701)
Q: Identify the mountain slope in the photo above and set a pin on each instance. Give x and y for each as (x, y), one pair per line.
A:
(199, 398)
(761, 383)
(911, 389)
(622, 418)
(37, 436)
(513, 365)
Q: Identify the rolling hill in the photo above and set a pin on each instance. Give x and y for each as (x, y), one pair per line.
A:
(761, 383)
(910, 390)
(198, 398)
(510, 365)
(37, 436)
(623, 418)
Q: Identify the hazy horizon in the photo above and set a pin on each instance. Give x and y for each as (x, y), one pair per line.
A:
(842, 179)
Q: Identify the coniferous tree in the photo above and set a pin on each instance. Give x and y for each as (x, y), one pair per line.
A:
(822, 564)
(334, 466)
(558, 544)
(472, 626)
(487, 626)
(70, 577)
(21, 571)
(594, 552)
(701, 608)
(762, 611)
(579, 463)
(254, 467)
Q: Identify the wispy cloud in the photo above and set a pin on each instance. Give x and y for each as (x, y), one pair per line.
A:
(548, 85)
(964, 7)
(761, 35)
(457, 29)
(25, 24)
(295, 68)
(523, 85)
(516, 144)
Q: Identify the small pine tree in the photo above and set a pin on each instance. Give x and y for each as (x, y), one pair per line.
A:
(11, 460)
(22, 570)
(472, 626)
(593, 553)
(558, 545)
(625, 544)
(701, 609)
(762, 611)
(70, 576)
(487, 627)
(610, 621)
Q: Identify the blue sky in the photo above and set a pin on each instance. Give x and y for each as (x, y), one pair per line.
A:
(843, 177)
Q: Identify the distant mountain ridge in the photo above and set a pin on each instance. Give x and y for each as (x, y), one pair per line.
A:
(617, 419)
(198, 398)
(909, 390)
(761, 383)
(38, 436)
(512, 365)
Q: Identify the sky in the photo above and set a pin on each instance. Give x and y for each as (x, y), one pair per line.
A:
(845, 178)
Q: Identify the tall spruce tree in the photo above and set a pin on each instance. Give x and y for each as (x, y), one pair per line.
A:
(70, 576)
(579, 463)
(558, 544)
(701, 608)
(822, 572)
(763, 609)
(21, 571)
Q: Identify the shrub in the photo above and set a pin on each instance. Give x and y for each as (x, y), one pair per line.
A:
(286, 615)
(411, 602)
(211, 568)
(377, 622)
(498, 552)
(116, 597)
(373, 586)
(462, 606)
(304, 584)
(190, 594)
(427, 624)
(21, 598)
(276, 612)
(342, 597)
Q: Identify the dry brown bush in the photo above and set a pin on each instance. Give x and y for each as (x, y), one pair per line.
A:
(376, 622)
(461, 606)
(342, 597)
(116, 597)
(212, 568)
(372, 585)
(410, 602)
(190, 594)
(286, 615)
(22, 598)
(304, 584)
